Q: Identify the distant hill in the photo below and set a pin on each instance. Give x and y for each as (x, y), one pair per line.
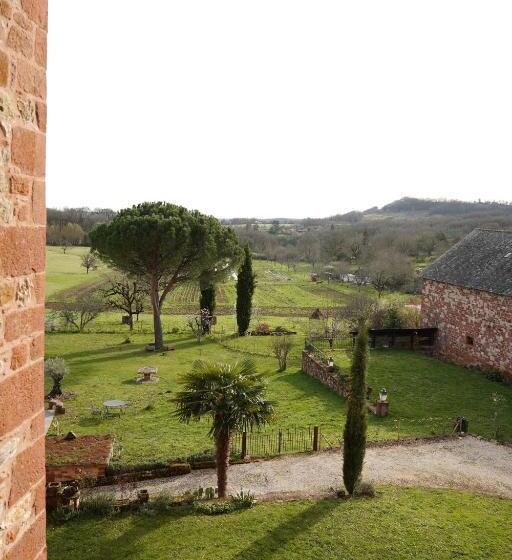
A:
(443, 207)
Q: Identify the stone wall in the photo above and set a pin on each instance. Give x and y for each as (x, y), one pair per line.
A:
(66, 473)
(23, 26)
(475, 327)
(318, 370)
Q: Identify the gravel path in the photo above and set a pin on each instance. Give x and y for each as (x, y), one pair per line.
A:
(467, 463)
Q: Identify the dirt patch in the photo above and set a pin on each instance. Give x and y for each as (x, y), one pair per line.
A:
(469, 463)
(84, 450)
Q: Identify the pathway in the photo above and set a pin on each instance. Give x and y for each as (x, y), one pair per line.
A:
(464, 463)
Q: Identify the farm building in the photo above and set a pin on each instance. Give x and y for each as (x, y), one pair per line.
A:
(467, 295)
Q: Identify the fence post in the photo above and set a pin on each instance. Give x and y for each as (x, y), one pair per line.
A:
(244, 445)
(316, 439)
(280, 442)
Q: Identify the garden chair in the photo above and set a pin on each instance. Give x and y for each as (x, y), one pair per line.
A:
(97, 410)
(111, 412)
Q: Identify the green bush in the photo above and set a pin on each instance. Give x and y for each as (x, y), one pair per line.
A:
(242, 500)
(99, 505)
(214, 508)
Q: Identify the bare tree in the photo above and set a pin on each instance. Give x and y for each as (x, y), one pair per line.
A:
(309, 247)
(89, 261)
(79, 313)
(359, 309)
(125, 294)
(390, 271)
(281, 347)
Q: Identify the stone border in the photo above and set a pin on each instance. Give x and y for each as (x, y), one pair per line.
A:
(316, 369)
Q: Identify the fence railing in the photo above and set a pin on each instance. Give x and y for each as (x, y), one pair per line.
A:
(278, 442)
(317, 438)
(328, 344)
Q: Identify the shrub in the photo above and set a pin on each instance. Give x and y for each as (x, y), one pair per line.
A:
(244, 500)
(51, 323)
(494, 376)
(100, 504)
(160, 503)
(201, 456)
(214, 508)
(281, 347)
(262, 329)
(56, 369)
(364, 489)
(117, 469)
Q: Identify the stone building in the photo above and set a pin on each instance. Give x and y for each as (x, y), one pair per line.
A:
(23, 27)
(467, 295)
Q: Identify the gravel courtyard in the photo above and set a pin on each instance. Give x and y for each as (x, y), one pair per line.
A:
(467, 463)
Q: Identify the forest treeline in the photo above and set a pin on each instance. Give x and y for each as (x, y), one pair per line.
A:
(403, 233)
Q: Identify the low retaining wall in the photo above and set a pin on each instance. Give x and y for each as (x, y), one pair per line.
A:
(316, 369)
(66, 473)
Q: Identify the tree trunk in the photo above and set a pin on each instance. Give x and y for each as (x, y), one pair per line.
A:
(222, 462)
(56, 390)
(157, 321)
(131, 322)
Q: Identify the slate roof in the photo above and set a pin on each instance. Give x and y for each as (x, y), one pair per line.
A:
(481, 261)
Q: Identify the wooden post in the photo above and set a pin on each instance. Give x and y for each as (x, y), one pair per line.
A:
(316, 439)
(280, 442)
(244, 445)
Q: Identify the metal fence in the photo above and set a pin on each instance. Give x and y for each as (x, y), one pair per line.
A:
(316, 438)
(271, 443)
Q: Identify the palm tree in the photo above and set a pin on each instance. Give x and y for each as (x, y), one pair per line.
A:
(233, 396)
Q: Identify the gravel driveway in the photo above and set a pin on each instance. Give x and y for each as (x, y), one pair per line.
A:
(467, 464)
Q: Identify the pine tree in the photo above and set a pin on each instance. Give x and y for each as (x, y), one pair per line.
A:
(354, 436)
(244, 291)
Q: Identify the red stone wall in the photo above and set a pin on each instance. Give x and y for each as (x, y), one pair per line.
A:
(74, 472)
(315, 368)
(23, 27)
(460, 313)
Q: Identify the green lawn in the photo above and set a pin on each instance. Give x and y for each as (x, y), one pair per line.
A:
(63, 270)
(279, 291)
(424, 393)
(400, 524)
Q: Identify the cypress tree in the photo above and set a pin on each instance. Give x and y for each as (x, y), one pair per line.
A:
(207, 299)
(244, 291)
(354, 436)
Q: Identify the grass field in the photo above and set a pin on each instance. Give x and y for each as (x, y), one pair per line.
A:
(63, 270)
(424, 393)
(279, 291)
(400, 523)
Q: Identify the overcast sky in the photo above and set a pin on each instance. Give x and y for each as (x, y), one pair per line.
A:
(278, 108)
